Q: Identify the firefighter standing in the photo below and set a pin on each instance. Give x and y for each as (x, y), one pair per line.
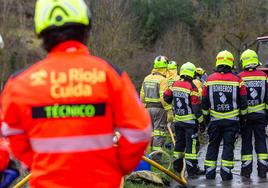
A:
(224, 101)
(172, 76)
(172, 72)
(151, 95)
(256, 83)
(184, 96)
(61, 113)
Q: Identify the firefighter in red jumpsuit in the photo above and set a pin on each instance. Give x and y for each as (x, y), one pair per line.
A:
(184, 96)
(224, 101)
(256, 83)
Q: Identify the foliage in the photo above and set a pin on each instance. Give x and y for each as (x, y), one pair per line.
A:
(156, 16)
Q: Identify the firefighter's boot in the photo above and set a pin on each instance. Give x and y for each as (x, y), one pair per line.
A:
(246, 169)
(178, 165)
(226, 173)
(262, 170)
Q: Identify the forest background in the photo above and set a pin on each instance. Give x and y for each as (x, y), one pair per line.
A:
(131, 33)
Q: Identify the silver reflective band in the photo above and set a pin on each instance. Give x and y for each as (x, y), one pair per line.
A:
(72, 143)
(135, 136)
(245, 164)
(7, 131)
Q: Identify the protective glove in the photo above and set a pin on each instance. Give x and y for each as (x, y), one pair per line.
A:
(202, 127)
(170, 116)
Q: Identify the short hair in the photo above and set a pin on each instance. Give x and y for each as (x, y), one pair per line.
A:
(55, 36)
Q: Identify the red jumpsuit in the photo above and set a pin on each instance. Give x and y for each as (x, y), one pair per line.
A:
(61, 114)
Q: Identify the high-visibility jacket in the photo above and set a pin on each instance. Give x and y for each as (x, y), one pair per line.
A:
(172, 76)
(60, 116)
(186, 102)
(153, 88)
(224, 97)
(257, 93)
(198, 84)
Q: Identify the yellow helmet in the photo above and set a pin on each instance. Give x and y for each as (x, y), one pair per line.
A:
(172, 65)
(249, 59)
(225, 58)
(52, 14)
(160, 62)
(188, 69)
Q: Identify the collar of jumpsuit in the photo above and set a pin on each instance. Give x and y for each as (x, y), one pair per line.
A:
(70, 46)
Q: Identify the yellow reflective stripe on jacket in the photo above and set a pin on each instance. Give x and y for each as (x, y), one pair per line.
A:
(152, 100)
(247, 157)
(266, 106)
(227, 163)
(262, 156)
(224, 115)
(256, 108)
(159, 133)
(181, 89)
(178, 154)
(219, 82)
(210, 163)
(185, 118)
(254, 78)
(205, 112)
(192, 156)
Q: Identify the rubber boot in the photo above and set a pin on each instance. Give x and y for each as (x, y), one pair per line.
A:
(191, 167)
(178, 165)
(262, 172)
(226, 174)
(246, 172)
(210, 173)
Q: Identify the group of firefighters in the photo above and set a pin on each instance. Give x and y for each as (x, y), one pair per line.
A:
(224, 103)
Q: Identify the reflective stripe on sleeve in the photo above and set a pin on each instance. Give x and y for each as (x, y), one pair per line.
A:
(7, 131)
(72, 144)
(135, 136)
